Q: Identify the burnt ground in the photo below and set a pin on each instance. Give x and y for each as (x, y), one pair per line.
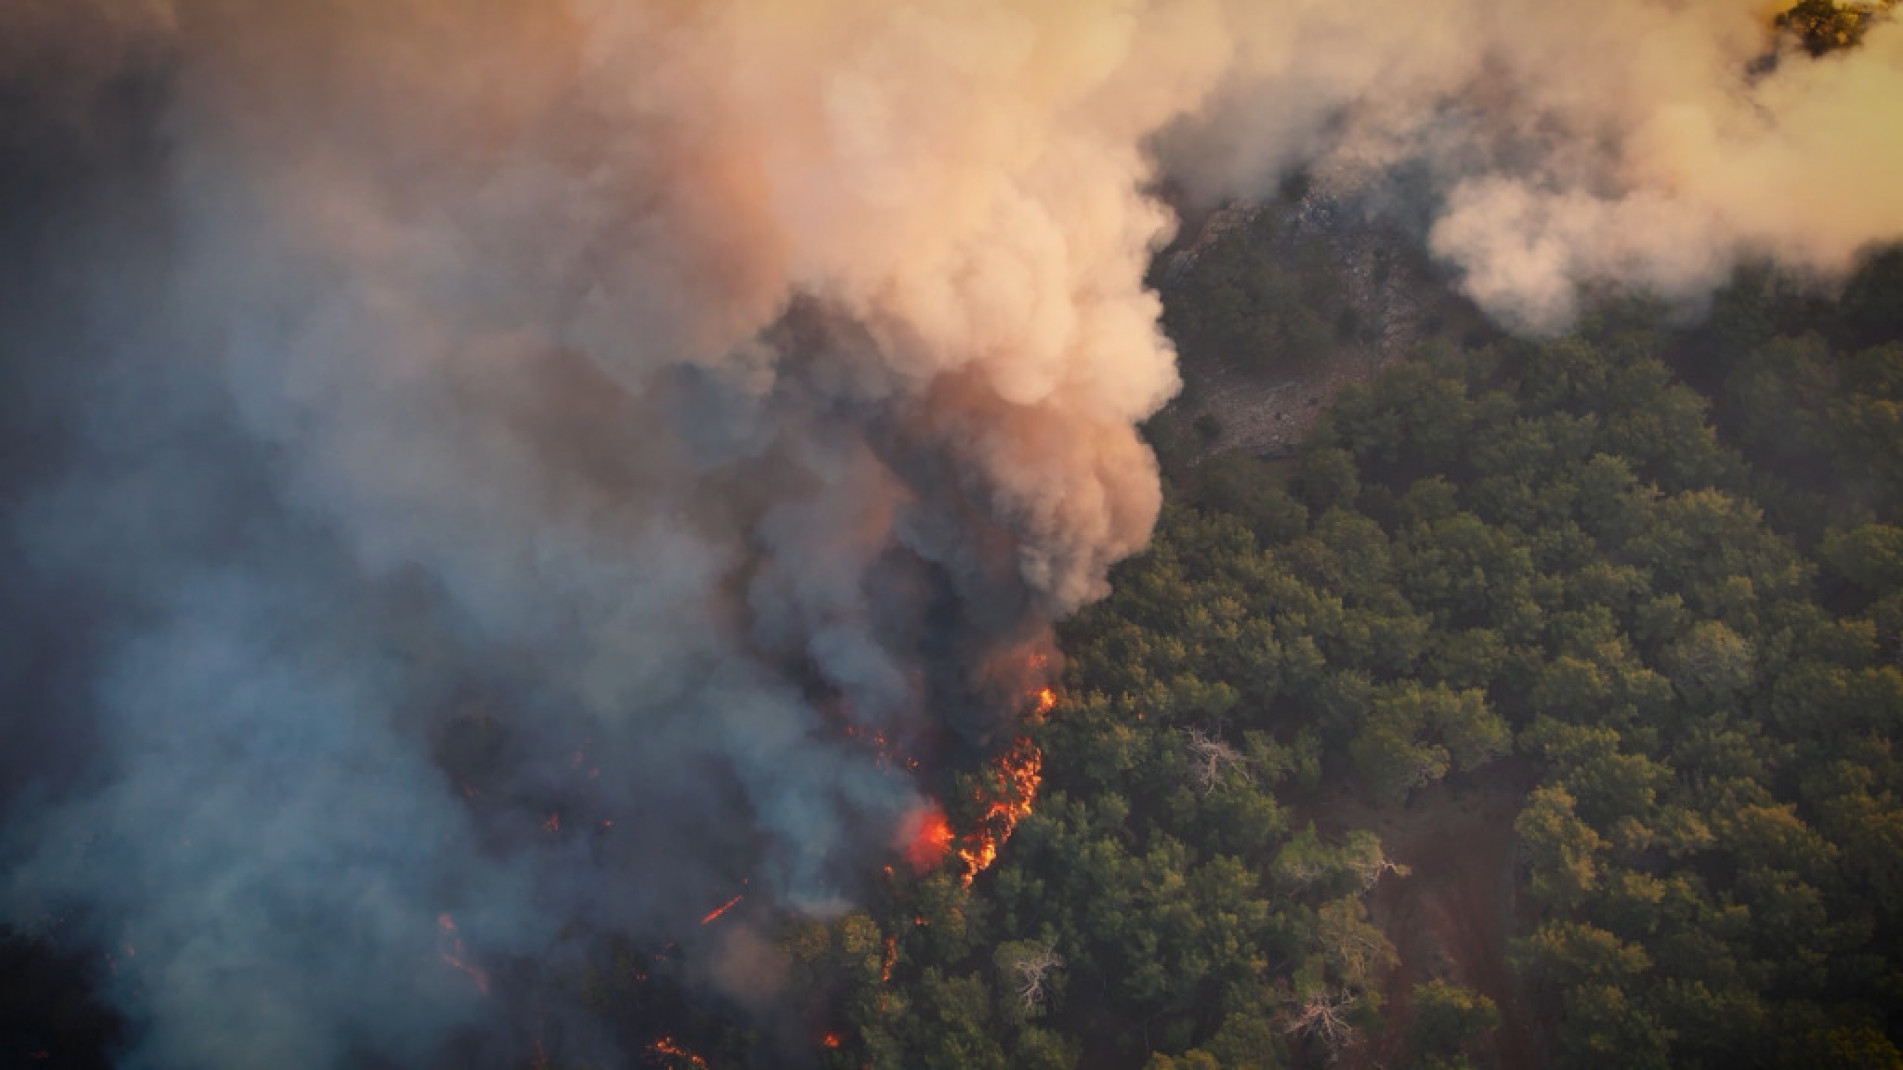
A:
(1452, 915)
(1266, 406)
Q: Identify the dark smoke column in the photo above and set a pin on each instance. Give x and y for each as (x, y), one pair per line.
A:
(496, 463)
(488, 470)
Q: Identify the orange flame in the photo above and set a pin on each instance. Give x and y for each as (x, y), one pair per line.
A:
(886, 960)
(450, 946)
(1016, 774)
(666, 1046)
(924, 837)
(722, 908)
(887, 753)
(830, 1040)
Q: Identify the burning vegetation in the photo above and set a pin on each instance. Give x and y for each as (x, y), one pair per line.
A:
(670, 1053)
(1003, 794)
(715, 913)
(1046, 701)
(1007, 796)
(675, 362)
(925, 837)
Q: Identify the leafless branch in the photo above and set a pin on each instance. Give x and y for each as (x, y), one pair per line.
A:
(1209, 756)
(1370, 866)
(1031, 973)
(1324, 1016)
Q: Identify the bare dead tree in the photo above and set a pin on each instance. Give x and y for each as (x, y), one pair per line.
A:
(1370, 873)
(1371, 862)
(1032, 970)
(1209, 756)
(1324, 1017)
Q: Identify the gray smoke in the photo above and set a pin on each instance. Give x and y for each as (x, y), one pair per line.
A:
(478, 471)
(465, 489)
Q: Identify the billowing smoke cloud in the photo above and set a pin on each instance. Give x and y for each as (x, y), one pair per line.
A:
(477, 468)
(1648, 143)
(493, 466)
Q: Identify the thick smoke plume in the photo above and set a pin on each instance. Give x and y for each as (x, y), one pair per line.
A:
(1649, 143)
(474, 469)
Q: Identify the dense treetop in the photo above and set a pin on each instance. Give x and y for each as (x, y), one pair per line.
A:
(1677, 606)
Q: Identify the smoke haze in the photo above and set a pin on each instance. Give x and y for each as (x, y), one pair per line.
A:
(1638, 142)
(475, 461)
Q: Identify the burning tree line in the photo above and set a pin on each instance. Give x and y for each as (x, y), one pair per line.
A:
(940, 852)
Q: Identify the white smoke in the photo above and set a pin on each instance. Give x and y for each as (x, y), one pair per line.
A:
(1646, 143)
(414, 392)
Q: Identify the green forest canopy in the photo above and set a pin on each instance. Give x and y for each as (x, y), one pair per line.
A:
(1677, 608)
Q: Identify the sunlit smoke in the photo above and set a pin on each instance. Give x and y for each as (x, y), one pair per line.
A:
(546, 462)
(1641, 143)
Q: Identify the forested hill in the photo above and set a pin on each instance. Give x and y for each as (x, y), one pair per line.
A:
(1662, 622)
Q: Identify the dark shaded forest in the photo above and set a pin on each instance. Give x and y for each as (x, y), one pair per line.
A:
(1481, 702)
(1644, 583)
(1648, 580)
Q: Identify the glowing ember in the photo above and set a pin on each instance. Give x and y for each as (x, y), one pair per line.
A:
(924, 837)
(1016, 774)
(722, 908)
(886, 752)
(553, 824)
(830, 1040)
(450, 948)
(978, 857)
(886, 960)
(667, 1048)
